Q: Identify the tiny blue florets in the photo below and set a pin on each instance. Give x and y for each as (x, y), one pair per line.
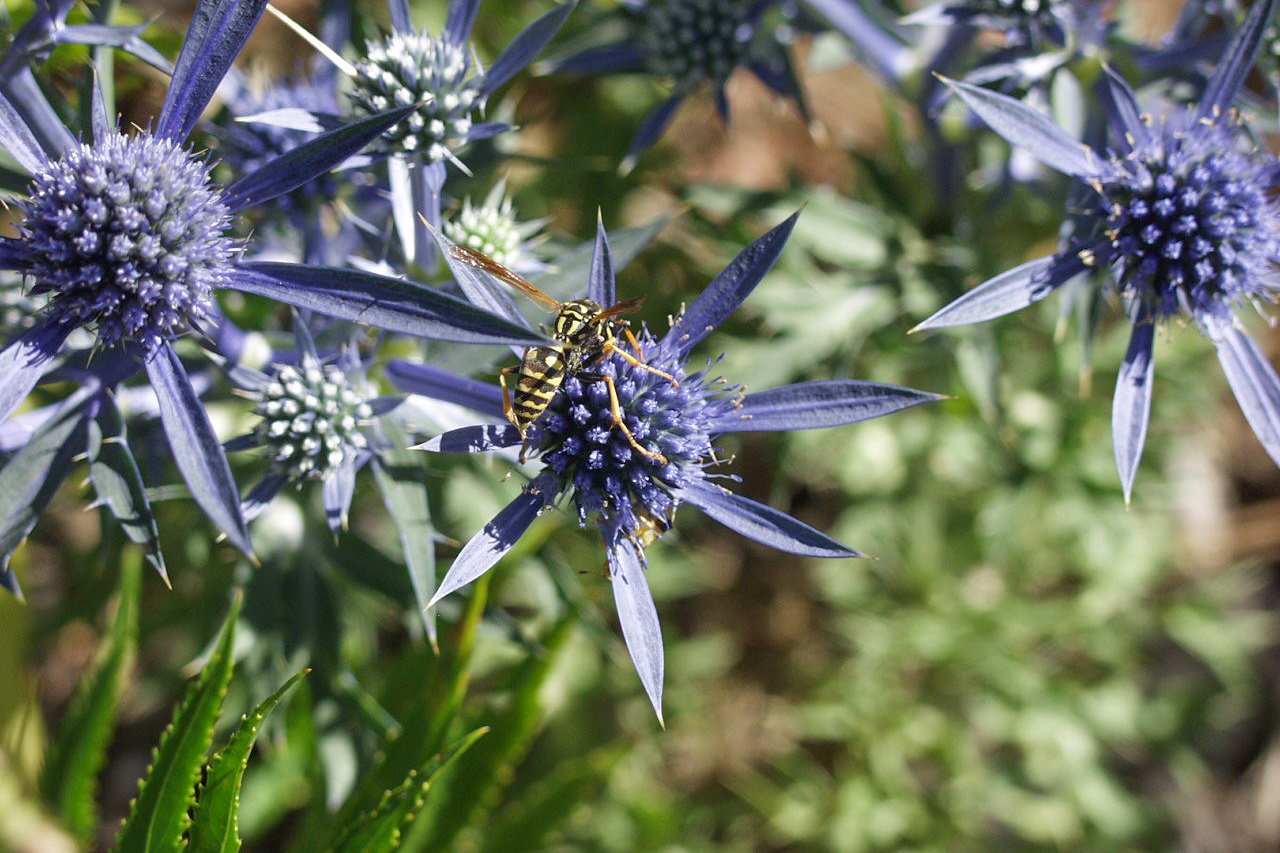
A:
(620, 488)
(406, 68)
(696, 41)
(129, 238)
(1191, 226)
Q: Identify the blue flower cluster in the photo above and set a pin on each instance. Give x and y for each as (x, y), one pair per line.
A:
(126, 242)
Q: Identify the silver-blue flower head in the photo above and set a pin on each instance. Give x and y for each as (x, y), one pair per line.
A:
(613, 485)
(312, 417)
(696, 41)
(129, 238)
(1191, 226)
(407, 68)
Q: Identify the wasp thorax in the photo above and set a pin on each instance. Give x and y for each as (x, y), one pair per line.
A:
(696, 40)
(409, 68)
(1191, 226)
(129, 238)
(574, 324)
(311, 421)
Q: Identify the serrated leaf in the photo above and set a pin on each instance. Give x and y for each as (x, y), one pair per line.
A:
(118, 482)
(470, 786)
(401, 478)
(30, 479)
(214, 826)
(69, 780)
(159, 815)
(380, 830)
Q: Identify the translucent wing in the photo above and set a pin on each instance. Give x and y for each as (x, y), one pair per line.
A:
(626, 306)
(488, 265)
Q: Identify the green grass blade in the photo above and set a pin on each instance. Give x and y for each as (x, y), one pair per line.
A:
(380, 830)
(214, 828)
(533, 820)
(159, 816)
(473, 784)
(69, 780)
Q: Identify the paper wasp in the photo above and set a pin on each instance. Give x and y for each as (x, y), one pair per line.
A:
(583, 333)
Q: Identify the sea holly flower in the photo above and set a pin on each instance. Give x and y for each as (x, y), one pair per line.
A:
(492, 228)
(1181, 219)
(1022, 22)
(442, 77)
(690, 44)
(129, 237)
(321, 421)
(675, 412)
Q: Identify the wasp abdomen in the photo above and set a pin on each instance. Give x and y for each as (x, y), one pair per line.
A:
(541, 374)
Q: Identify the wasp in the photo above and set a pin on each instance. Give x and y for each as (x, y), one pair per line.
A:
(583, 333)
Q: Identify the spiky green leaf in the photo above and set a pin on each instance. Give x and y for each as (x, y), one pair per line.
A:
(69, 780)
(159, 816)
(380, 830)
(214, 828)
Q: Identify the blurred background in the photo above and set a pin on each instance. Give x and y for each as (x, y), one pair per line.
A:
(1025, 663)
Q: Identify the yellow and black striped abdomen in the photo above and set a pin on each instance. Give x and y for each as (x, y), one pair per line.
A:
(541, 373)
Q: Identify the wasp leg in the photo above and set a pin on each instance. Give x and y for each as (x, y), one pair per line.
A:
(611, 348)
(509, 412)
(635, 344)
(615, 409)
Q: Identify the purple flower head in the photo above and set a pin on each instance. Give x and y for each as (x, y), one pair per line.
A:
(1191, 228)
(691, 43)
(1023, 22)
(628, 465)
(129, 238)
(1183, 222)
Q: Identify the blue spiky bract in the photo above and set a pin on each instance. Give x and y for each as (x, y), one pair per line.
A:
(129, 238)
(1191, 227)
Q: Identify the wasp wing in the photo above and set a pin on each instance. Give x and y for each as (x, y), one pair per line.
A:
(626, 306)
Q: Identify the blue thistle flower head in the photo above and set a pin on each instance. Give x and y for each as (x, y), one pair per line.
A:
(407, 68)
(1190, 226)
(696, 41)
(312, 419)
(1183, 222)
(630, 436)
(492, 228)
(129, 238)
(622, 491)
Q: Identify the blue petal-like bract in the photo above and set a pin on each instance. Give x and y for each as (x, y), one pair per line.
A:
(652, 128)
(45, 125)
(17, 139)
(480, 286)
(401, 19)
(602, 286)
(387, 303)
(639, 619)
(474, 439)
(622, 58)
(1131, 407)
(1120, 99)
(1254, 382)
(461, 17)
(23, 362)
(308, 161)
(1008, 292)
(495, 539)
(13, 253)
(128, 39)
(196, 449)
(217, 33)
(439, 384)
(339, 487)
(814, 405)
(524, 47)
(261, 495)
(884, 51)
(728, 289)
(762, 523)
(1234, 67)
(1031, 130)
